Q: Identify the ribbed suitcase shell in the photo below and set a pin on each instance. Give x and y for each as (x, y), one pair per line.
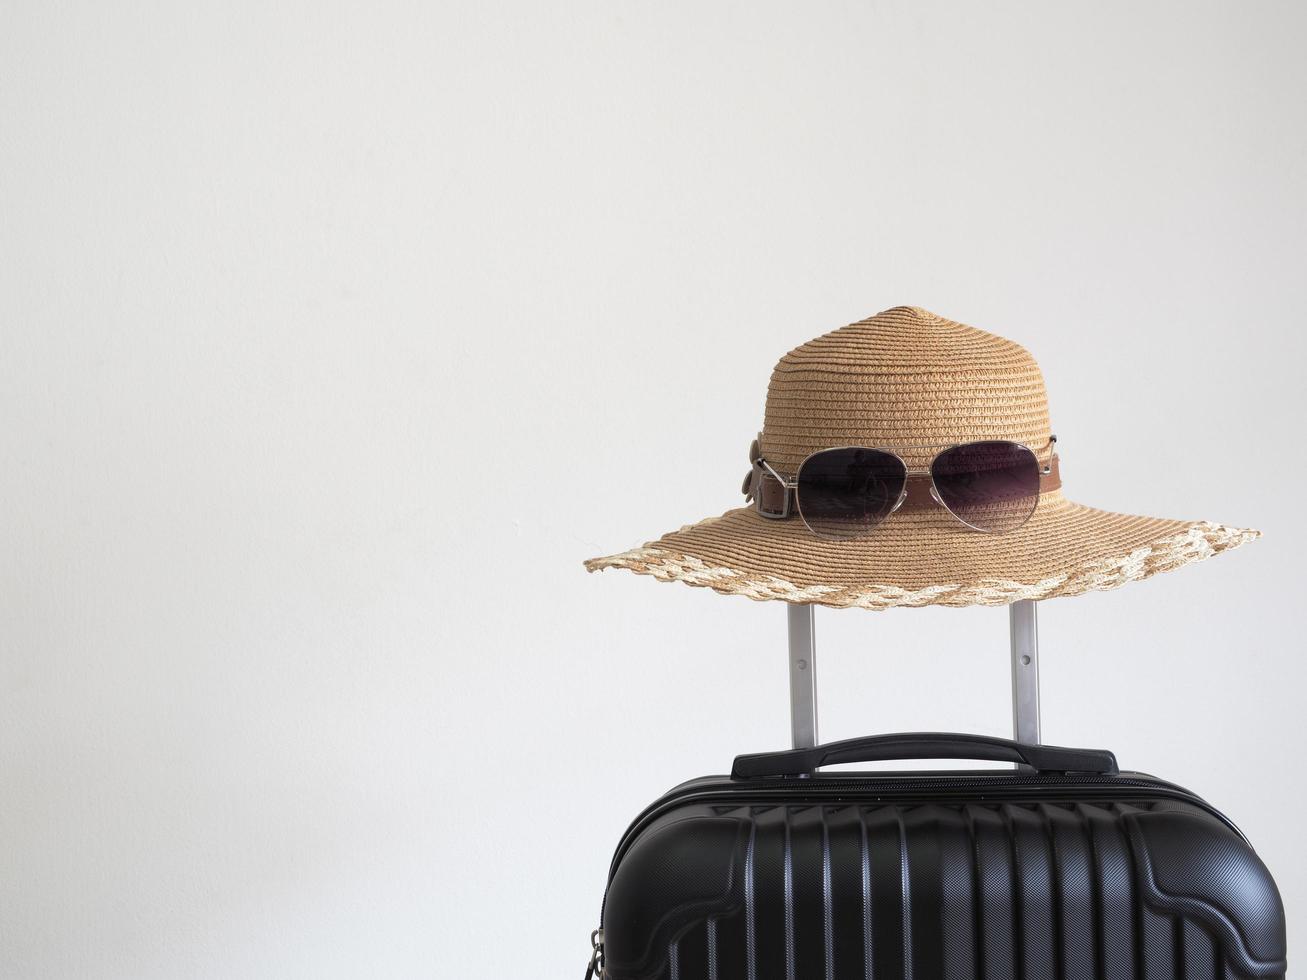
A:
(959, 876)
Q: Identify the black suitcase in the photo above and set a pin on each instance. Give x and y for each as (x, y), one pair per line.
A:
(1064, 869)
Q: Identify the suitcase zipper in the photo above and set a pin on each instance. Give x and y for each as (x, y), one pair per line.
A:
(596, 967)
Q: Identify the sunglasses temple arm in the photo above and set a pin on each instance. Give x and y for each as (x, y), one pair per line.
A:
(1023, 622)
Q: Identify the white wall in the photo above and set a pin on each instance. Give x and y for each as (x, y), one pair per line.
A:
(334, 337)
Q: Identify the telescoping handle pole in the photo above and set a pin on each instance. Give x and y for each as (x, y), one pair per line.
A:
(803, 677)
(1023, 624)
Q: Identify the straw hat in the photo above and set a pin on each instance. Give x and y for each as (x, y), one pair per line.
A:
(902, 378)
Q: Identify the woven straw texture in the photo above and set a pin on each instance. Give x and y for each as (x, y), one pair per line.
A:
(908, 378)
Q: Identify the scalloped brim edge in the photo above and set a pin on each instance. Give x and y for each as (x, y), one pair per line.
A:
(1199, 541)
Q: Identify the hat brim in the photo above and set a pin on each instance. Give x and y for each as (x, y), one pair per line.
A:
(926, 558)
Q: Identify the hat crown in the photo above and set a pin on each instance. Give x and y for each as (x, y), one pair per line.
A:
(902, 378)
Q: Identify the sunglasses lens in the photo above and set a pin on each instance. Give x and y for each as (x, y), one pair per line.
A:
(992, 486)
(844, 493)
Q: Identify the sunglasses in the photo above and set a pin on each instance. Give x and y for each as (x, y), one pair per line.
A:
(991, 486)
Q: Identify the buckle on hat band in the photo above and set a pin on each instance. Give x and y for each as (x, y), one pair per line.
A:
(773, 496)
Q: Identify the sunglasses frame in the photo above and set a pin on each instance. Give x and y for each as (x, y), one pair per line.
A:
(791, 487)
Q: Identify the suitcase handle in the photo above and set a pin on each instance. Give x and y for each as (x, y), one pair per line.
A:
(924, 745)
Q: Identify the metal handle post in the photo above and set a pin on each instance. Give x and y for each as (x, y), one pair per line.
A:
(803, 677)
(1024, 623)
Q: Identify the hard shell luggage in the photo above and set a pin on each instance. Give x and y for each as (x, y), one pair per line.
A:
(1066, 868)
(1062, 868)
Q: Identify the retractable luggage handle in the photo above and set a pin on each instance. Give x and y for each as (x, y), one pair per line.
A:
(924, 745)
(1024, 634)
